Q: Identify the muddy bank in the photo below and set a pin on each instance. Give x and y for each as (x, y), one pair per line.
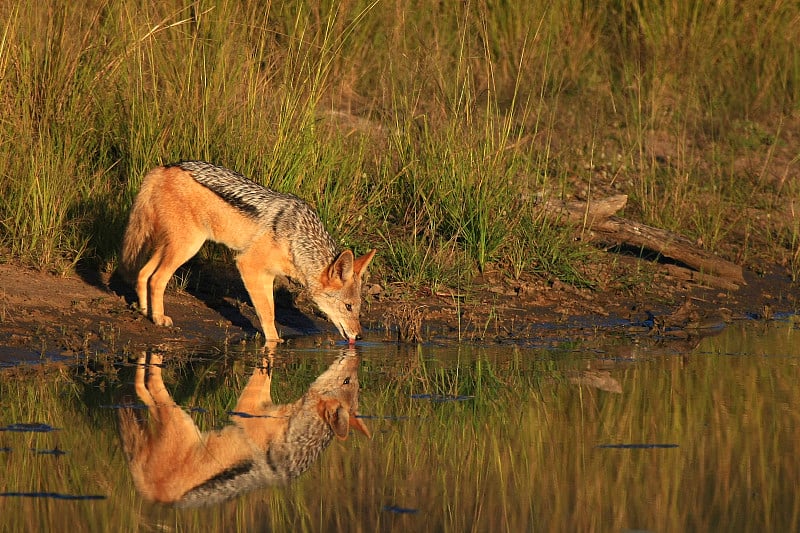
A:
(87, 312)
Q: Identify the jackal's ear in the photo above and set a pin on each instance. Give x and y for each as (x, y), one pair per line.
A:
(360, 264)
(340, 271)
(356, 423)
(336, 416)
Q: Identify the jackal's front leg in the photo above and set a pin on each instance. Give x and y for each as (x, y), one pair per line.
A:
(259, 285)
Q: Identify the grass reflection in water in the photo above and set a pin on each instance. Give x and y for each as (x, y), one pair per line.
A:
(699, 438)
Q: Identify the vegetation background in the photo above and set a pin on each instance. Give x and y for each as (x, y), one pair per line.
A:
(429, 129)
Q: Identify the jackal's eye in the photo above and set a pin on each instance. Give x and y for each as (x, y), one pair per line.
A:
(349, 307)
(346, 381)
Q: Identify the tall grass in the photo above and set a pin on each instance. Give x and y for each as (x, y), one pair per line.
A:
(424, 128)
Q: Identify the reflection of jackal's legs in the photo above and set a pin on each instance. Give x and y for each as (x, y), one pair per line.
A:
(260, 419)
(256, 393)
(154, 393)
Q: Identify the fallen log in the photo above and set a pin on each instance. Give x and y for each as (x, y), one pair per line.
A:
(701, 278)
(599, 222)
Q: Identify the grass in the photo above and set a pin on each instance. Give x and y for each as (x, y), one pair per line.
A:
(427, 129)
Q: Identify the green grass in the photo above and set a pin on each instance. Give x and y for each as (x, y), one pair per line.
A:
(425, 129)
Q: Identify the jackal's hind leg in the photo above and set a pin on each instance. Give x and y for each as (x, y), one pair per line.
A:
(143, 279)
(172, 256)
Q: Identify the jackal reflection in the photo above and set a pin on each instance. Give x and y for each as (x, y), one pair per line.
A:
(173, 462)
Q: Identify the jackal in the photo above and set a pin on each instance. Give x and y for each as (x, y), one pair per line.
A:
(183, 205)
(172, 462)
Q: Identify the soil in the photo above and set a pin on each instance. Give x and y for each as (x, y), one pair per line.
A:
(86, 312)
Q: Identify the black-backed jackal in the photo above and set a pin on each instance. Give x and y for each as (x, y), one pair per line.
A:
(181, 206)
(172, 462)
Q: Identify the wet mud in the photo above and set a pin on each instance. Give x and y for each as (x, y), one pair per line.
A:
(43, 314)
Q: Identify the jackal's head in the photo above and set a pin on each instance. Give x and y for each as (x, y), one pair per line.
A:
(337, 392)
(339, 296)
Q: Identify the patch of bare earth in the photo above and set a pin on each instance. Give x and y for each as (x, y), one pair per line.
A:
(80, 313)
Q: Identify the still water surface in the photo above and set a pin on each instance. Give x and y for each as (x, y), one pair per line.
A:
(614, 436)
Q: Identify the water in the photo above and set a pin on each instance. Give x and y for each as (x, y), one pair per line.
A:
(618, 436)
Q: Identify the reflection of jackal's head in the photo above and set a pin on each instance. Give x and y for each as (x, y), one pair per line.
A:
(339, 292)
(172, 462)
(336, 393)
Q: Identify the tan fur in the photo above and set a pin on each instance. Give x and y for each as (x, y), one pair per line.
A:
(173, 215)
(172, 462)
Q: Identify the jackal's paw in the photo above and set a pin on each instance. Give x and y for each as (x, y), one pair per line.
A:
(272, 343)
(162, 320)
(271, 335)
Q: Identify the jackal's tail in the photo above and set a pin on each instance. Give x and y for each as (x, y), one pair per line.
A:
(138, 234)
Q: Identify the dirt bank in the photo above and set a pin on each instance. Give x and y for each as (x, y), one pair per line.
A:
(84, 312)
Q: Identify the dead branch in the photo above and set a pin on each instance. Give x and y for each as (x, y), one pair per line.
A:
(599, 223)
